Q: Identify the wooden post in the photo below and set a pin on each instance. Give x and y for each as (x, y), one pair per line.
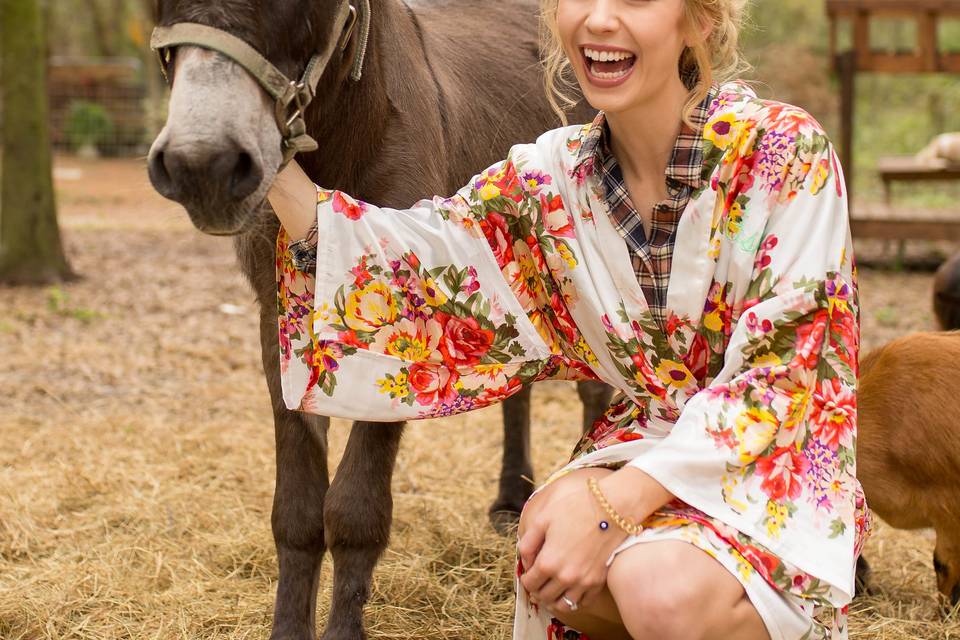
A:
(861, 40)
(929, 46)
(847, 70)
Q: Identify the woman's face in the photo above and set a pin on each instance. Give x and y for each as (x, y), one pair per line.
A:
(624, 52)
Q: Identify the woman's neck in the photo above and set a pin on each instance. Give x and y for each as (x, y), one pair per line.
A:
(642, 139)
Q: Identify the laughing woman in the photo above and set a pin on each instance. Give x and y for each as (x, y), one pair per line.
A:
(690, 247)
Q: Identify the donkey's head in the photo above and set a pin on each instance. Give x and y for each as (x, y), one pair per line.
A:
(221, 146)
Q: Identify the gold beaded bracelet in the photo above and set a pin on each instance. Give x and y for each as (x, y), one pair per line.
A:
(628, 524)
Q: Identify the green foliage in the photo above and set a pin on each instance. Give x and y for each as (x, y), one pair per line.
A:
(887, 317)
(88, 124)
(58, 303)
(802, 23)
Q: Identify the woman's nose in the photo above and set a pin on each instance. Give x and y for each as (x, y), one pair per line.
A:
(603, 16)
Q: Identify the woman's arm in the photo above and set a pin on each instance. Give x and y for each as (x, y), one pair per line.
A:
(420, 312)
(293, 197)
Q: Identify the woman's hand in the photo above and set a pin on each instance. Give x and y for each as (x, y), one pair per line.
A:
(293, 197)
(563, 550)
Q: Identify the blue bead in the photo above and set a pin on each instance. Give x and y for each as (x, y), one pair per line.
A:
(604, 525)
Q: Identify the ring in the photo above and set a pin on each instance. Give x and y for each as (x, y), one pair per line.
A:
(570, 603)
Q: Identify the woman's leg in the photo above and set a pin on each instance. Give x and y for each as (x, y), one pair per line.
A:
(660, 590)
(672, 590)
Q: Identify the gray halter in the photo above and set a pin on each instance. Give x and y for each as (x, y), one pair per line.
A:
(291, 97)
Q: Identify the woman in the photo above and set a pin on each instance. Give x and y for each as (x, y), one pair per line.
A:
(691, 248)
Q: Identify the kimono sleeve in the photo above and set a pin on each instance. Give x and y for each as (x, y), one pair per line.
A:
(768, 446)
(422, 312)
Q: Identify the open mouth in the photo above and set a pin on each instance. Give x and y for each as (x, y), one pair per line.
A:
(608, 64)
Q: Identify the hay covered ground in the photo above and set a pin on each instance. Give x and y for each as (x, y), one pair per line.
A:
(136, 453)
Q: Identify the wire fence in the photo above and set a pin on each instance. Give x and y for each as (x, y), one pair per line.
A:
(99, 107)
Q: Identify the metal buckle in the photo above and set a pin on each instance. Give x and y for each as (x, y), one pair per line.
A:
(300, 103)
(348, 29)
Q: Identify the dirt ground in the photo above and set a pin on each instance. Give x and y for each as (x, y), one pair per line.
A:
(136, 453)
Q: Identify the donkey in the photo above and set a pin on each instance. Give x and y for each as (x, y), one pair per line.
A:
(440, 92)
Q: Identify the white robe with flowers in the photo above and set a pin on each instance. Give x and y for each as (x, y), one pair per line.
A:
(743, 405)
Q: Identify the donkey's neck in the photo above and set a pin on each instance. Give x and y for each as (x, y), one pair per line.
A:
(350, 119)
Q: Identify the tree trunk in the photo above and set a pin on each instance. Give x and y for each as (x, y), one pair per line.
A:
(30, 248)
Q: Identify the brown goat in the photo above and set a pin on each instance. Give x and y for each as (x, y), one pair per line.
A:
(908, 447)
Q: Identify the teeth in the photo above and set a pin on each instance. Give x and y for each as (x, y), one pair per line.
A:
(609, 76)
(607, 56)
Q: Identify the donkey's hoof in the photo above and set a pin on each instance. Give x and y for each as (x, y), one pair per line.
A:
(345, 632)
(505, 521)
(300, 635)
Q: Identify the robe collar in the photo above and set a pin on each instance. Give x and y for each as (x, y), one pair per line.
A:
(686, 159)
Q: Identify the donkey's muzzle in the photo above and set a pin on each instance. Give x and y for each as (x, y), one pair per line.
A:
(210, 181)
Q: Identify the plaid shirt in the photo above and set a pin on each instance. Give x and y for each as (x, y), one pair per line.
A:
(651, 257)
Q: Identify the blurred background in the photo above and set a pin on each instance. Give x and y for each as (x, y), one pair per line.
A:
(136, 446)
(107, 95)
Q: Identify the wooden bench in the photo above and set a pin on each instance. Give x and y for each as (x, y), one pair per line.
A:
(903, 224)
(890, 223)
(907, 169)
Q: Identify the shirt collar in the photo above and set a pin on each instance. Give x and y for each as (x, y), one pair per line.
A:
(686, 160)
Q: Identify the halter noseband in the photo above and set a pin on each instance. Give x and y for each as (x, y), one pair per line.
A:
(291, 97)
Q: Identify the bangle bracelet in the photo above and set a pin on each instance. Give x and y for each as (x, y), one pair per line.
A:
(628, 524)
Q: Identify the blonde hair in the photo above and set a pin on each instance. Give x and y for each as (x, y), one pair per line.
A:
(714, 59)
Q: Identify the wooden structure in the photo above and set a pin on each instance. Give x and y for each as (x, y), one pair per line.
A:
(907, 169)
(926, 56)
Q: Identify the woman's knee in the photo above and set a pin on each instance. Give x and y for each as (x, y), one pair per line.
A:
(667, 612)
(670, 589)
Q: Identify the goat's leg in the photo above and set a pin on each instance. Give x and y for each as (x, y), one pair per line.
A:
(357, 516)
(596, 398)
(946, 563)
(516, 471)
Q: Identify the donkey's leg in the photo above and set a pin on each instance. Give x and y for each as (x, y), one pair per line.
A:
(357, 517)
(298, 522)
(301, 450)
(596, 398)
(297, 519)
(516, 472)
(862, 583)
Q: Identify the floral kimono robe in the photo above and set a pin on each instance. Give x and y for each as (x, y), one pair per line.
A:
(743, 405)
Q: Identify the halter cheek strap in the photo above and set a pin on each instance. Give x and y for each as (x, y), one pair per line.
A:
(291, 97)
